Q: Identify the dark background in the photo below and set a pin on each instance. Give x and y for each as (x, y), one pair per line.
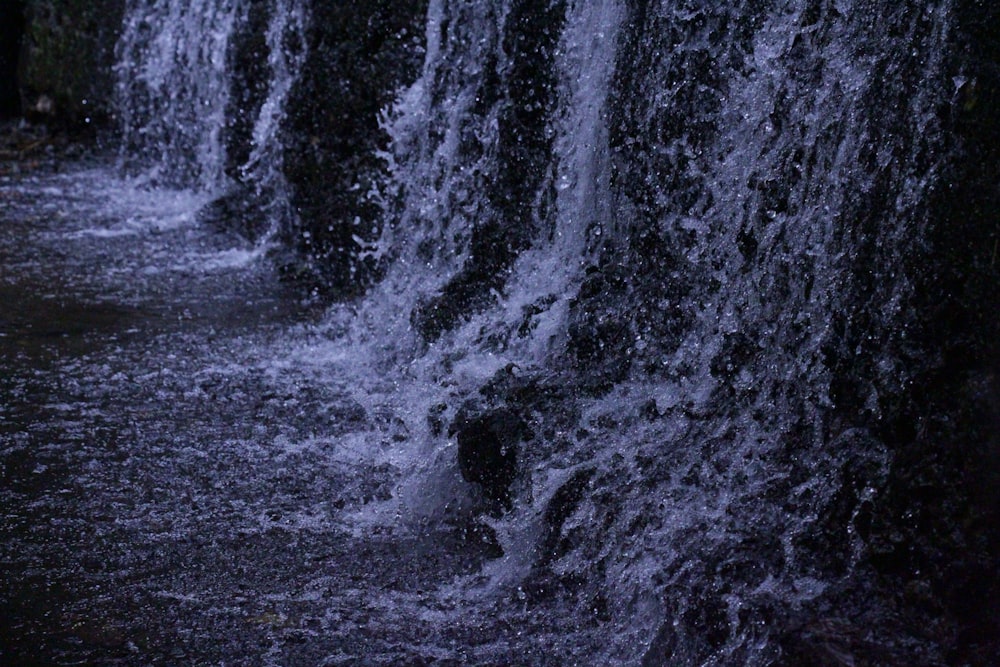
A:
(11, 29)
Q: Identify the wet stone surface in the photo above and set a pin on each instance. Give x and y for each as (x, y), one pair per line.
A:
(168, 495)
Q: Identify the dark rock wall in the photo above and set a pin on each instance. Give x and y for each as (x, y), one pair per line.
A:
(526, 87)
(67, 56)
(359, 55)
(939, 529)
(357, 58)
(248, 60)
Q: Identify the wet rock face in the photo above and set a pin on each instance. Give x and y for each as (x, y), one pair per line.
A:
(564, 502)
(248, 56)
(487, 450)
(943, 428)
(516, 406)
(359, 55)
(526, 86)
(470, 291)
(65, 70)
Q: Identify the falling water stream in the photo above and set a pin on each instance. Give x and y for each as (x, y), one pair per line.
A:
(699, 210)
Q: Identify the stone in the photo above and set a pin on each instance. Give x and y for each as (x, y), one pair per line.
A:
(488, 444)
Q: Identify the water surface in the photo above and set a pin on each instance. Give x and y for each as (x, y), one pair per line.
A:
(172, 491)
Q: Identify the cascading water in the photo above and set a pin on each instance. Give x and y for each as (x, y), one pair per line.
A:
(173, 90)
(639, 327)
(175, 82)
(705, 227)
(264, 167)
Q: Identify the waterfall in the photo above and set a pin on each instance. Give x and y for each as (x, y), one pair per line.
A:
(688, 226)
(173, 88)
(646, 297)
(442, 129)
(177, 71)
(287, 51)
